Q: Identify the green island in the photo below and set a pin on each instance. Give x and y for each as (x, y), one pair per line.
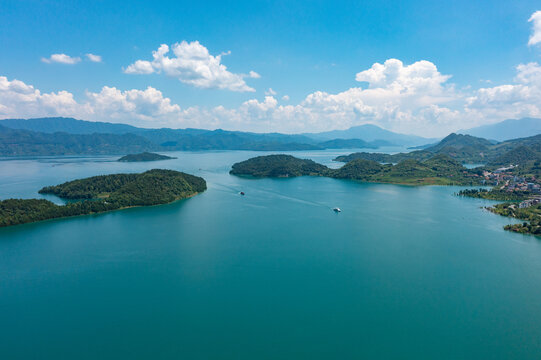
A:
(145, 156)
(437, 170)
(103, 193)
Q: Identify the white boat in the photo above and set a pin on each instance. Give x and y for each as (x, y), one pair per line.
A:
(336, 209)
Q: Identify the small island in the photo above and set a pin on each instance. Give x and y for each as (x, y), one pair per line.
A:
(103, 193)
(278, 166)
(145, 156)
(437, 170)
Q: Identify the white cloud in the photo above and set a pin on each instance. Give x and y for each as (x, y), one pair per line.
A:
(94, 58)
(520, 99)
(270, 92)
(414, 98)
(140, 67)
(144, 105)
(139, 107)
(535, 37)
(192, 64)
(61, 59)
(285, 97)
(18, 99)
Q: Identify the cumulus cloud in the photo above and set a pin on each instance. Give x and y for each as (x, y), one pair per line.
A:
(520, 99)
(270, 92)
(191, 63)
(61, 59)
(285, 97)
(19, 99)
(413, 98)
(145, 105)
(139, 107)
(409, 98)
(535, 37)
(93, 57)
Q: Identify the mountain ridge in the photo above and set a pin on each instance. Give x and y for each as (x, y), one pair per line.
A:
(69, 136)
(507, 129)
(368, 133)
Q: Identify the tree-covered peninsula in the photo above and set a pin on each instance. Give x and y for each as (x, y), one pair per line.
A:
(518, 185)
(530, 214)
(103, 193)
(144, 156)
(437, 170)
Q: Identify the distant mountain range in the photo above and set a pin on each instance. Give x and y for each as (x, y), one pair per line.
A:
(15, 142)
(68, 125)
(369, 133)
(57, 136)
(466, 149)
(506, 130)
(68, 136)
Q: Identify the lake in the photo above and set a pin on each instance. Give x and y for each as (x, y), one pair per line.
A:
(402, 273)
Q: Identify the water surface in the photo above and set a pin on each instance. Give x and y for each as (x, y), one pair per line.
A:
(403, 272)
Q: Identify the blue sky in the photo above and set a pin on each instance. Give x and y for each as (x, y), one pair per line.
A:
(298, 48)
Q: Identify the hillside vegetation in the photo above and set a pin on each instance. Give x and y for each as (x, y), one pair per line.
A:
(103, 193)
(439, 169)
(30, 143)
(66, 136)
(145, 156)
(278, 166)
(465, 149)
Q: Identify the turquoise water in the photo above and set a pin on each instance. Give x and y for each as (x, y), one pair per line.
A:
(402, 273)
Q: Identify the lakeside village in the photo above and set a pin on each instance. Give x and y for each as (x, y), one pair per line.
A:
(503, 179)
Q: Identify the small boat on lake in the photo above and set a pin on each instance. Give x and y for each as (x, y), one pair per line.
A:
(336, 210)
(242, 193)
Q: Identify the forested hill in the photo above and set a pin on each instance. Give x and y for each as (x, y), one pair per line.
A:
(56, 136)
(437, 170)
(68, 125)
(103, 193)
(465, 149)
(145, 156)
(278, 166)
(15, 142)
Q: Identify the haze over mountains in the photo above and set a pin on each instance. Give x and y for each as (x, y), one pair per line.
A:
(366, 133)
(371, 132)
(57, 136)
(68, 136)
(506, 130)
(465, 149)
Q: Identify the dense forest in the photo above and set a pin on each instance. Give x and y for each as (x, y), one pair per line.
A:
(439, 170)
(103, 193)
(278, 166)
(145, 156)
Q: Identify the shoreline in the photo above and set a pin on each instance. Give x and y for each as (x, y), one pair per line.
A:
(98, 213)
